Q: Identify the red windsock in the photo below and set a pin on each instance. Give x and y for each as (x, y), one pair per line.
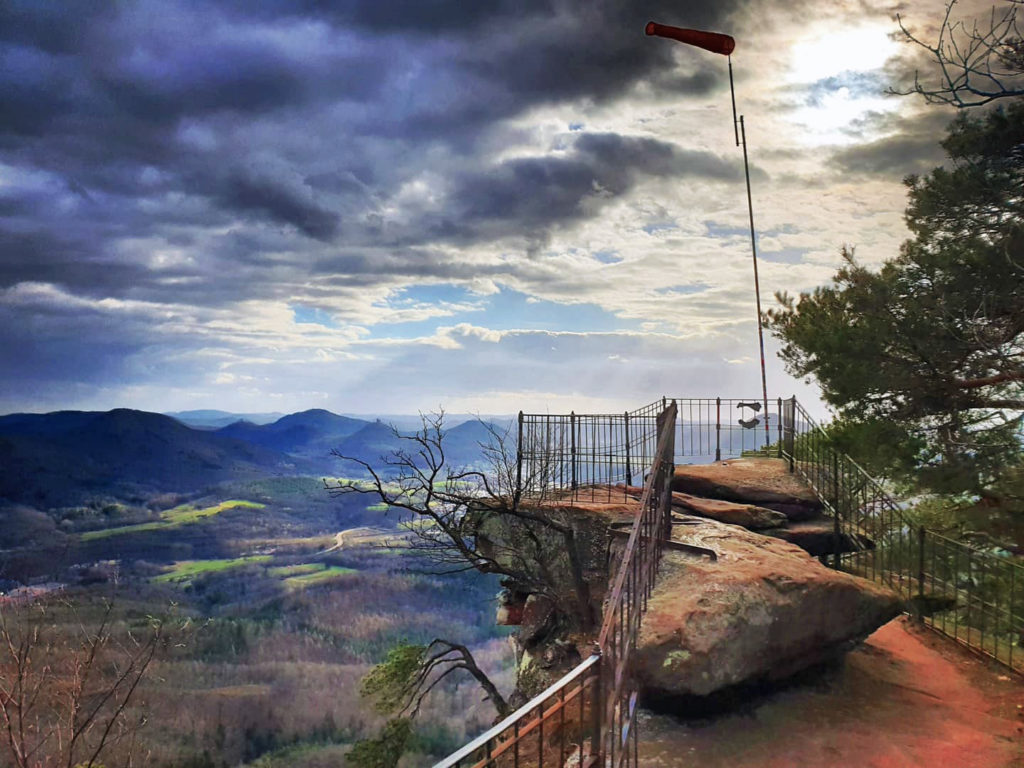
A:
(709, 41)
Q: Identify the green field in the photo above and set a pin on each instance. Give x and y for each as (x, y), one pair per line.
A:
(299, 569)
(183, 514)
(295, 576)
(186, 570)
(320, 576)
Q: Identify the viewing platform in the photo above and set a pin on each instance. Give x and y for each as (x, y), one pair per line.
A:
(753, 557)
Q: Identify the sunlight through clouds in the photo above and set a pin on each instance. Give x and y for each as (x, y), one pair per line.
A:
(824, 51)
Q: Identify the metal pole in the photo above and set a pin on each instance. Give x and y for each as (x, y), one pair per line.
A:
(732, 92)
(629, 469)
(718, 429)
(836, 529)
(519, 465)
(741, 138)
(778, 415)
(572, 430)
(598, 712)
(791, 433)
(920, 567)
(757, 282)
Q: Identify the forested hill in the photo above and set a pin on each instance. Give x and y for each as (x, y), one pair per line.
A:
(64, 457)
(313, 432)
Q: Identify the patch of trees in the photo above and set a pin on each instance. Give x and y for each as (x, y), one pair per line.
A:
(66, 698)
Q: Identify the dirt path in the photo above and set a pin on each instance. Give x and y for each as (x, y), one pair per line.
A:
(905, 698)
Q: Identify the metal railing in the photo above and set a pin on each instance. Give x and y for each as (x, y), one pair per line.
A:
(970, 595)
(721, 428)
(554, 725)
(588, 717)
(583, 455)
(606, 455)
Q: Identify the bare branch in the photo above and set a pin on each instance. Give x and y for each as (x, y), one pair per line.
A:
(977, 64)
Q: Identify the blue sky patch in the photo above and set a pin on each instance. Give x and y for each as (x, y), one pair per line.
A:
(714, 229)
(785, 256)
(608, 257)
(659, 226)
(506, 310)
(431, 294)
(311, 315)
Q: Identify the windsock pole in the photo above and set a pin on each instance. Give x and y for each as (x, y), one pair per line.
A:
(724, 44)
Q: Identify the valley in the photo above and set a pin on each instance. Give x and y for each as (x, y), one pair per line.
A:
(281, 596)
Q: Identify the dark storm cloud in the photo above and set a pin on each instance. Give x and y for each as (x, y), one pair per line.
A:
(911, 147)
(192, 153)
(137, 108)
(270, 198)
(539, 192)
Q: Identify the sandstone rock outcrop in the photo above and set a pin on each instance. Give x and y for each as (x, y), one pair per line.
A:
(818, 538)
(764, 482)
(749, 516)
(763, 611)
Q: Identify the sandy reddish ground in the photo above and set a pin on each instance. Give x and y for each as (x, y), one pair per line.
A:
(906, 697)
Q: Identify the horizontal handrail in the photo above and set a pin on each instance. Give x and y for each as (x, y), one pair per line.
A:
(631, 543)
(495, 731)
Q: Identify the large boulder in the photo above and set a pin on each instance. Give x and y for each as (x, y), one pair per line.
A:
(749, 516)
(761, 481)
(819, 538)
(764, 610)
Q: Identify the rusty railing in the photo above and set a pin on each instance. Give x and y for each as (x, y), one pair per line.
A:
(973, 596)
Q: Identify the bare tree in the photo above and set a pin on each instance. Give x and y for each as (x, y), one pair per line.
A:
(65, 693)
(471, 519)
(978, 61)
(400, 684)
(463, 519)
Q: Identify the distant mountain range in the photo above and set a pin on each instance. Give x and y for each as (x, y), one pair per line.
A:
(211, 419)
(66, 457)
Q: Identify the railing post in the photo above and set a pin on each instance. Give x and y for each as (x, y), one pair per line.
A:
(779, 424)
(597, 714)
(790, 430)
(572, 431)
(920, 569)
(629, 469)
(663, 483)
(718, 429)
(519, 465)
(836, 528)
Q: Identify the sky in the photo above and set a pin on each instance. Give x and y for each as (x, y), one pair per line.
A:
(393, 205)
